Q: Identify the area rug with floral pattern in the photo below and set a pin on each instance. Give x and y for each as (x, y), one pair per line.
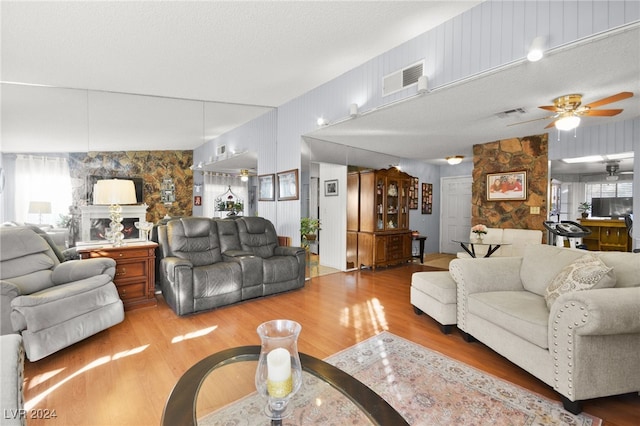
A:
(425, 387)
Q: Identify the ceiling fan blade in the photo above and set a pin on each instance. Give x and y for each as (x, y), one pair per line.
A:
(549, 108)
(529, 121)
(601, 112)
(615, 98)
(553, 123)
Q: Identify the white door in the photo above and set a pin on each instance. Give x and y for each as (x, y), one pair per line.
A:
(455, 212)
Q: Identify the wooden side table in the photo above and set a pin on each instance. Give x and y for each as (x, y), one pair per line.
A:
(135, 271)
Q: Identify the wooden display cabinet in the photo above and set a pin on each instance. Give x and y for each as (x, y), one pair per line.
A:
(606, 235)
(383, 235)
(135, 271)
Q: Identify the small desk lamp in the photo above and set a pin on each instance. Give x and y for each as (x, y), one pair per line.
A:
(114, 192)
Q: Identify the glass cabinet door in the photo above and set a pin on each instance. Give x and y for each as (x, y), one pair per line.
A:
(380, 203)
(403, 214)
(393, 205)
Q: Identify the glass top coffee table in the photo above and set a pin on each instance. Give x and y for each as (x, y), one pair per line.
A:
(469, 246)
(222, 387)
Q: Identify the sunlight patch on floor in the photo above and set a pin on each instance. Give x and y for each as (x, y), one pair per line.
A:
(41, 378)
(194, 334)
(98, 362)
(365, 316)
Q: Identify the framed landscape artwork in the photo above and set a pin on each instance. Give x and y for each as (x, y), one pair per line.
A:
(507, 186)
(265, 187)
(288, 185)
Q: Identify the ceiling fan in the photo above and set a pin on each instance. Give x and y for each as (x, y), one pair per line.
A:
(245, 173)
(568, 109)
(613, 170)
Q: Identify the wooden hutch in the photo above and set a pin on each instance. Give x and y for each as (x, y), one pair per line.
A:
(606, 235)
(378, 231)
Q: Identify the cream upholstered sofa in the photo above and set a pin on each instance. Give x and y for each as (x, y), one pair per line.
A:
(515, 241)
(585, 345)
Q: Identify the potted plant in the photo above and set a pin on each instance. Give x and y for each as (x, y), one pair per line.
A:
(309, 228)
(584, 208)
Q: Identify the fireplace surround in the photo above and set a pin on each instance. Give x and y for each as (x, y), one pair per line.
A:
(95, 221)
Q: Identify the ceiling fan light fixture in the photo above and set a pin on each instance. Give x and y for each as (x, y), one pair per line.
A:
(569, 122)
(454, 159)
(244, 175)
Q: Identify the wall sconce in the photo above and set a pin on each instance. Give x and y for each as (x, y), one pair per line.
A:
(455, 159)
(353, 110)
(197, 187)
(423, 83)
(536, 50)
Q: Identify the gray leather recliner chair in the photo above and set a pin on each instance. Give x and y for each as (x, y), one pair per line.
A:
(52, 304)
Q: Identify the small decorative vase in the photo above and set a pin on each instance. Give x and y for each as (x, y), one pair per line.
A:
(479, 238)
(279, 372)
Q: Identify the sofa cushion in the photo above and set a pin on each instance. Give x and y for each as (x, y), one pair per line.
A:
(517, 240)
(626, 266)
(587, 272)
(541, 263)
(519, 312)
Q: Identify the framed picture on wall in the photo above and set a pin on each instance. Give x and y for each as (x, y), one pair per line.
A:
(288, 185)
(507, 186)
(427, 198)
(266, 187)
(331, 187)
(413, 194)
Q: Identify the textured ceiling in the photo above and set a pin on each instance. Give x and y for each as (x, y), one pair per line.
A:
(240, 57)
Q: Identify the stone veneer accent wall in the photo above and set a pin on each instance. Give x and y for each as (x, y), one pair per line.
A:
(529, 153)
(151, 166)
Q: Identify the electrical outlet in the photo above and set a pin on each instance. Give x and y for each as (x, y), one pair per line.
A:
(534, 210)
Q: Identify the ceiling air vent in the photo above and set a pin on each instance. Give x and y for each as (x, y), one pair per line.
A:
(402, 79)
(511, 112)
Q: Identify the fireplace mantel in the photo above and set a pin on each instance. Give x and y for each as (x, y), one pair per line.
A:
(137, 213)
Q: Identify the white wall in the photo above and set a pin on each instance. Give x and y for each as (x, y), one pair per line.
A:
(487, 36)
(333, 218)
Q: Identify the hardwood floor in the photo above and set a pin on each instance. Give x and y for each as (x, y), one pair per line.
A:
(122, 376)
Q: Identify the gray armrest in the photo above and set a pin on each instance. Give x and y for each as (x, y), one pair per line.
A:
(172, 264)
(8, 292)
(75, 270)
(288, 251)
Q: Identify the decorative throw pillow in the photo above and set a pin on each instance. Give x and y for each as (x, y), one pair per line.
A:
(585, 273)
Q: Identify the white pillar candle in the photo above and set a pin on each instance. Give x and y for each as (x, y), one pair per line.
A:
(278, 365)
(279, 383)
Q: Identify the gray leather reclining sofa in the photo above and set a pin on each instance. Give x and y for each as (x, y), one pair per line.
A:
(207, 263)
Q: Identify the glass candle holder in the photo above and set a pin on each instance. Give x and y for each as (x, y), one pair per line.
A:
(279, 372)
(144, 227)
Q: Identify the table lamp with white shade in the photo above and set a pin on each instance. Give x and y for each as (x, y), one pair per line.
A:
(40, 208)
(114, 192)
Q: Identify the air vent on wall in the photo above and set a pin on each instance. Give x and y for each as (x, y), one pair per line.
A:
(402, 79)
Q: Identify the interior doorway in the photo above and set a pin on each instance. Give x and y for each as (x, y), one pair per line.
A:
(455, 212)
